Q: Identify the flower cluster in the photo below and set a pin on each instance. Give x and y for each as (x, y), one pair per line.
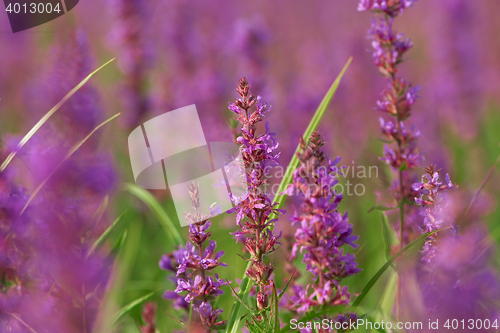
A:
(388, 47)
(391, 8)
(323, 230)
(258, 153)
(434, 205)
(401, 151)
(191, 265)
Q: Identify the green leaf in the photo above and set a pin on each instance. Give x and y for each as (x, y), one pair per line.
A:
(381, 271)
(286, 286)
(483, 184)
(118, 245)
(275, 322)
(403, 166)
(98, 243)
(238, 298)
(168, 226)
(131, 306)
(68, 155)
(389, 296)
(313, 125)
(382, 208)
(389, 237)
(46, 117)
(254, 327)
(179, 322)
(234, 317)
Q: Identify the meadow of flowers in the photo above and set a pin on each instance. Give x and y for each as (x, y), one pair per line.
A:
(368, 133)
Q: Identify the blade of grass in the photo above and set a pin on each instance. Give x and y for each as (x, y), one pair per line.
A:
(68, 155)
(389, 262)
(235, 315)
(98, 243)
(389, 237)
(287, 284)
(177, 321)
(131, 306)
(313, 125)
(44, 119)
(170, 228)
(483, 184)
(274, 311)
(235, 294)
(21, 321)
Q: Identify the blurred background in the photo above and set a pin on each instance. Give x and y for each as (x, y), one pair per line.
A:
(174, 53)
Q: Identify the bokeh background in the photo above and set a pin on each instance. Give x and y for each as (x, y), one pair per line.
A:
(174, 53)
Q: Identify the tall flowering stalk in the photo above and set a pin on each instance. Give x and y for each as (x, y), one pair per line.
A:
(129, 38)
(258, 152)
(323, 230)
(192, 265)
(434, 206)
(388, 49)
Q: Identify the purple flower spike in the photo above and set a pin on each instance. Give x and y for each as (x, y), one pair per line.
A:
(192, 265)
(401, 152)
(323, 230)
(253, 214)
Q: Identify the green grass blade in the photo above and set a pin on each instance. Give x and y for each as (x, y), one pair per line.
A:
(98, 243)
(46, 117)
(235, 294)
(389, 262)
(313, 125)
(131, 306)
(274, 311)
(68, 155)
(389, 237)
(22, 322)
(287, 284)
(234, 317)
(168, 225)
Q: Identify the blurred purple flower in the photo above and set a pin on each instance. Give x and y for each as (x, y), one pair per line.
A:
(251, 36)
(149, 318)
(60, 224)
(135, 55)
(391, 8)
(460, 282)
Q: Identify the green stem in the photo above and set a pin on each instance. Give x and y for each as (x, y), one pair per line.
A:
(190, 315)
